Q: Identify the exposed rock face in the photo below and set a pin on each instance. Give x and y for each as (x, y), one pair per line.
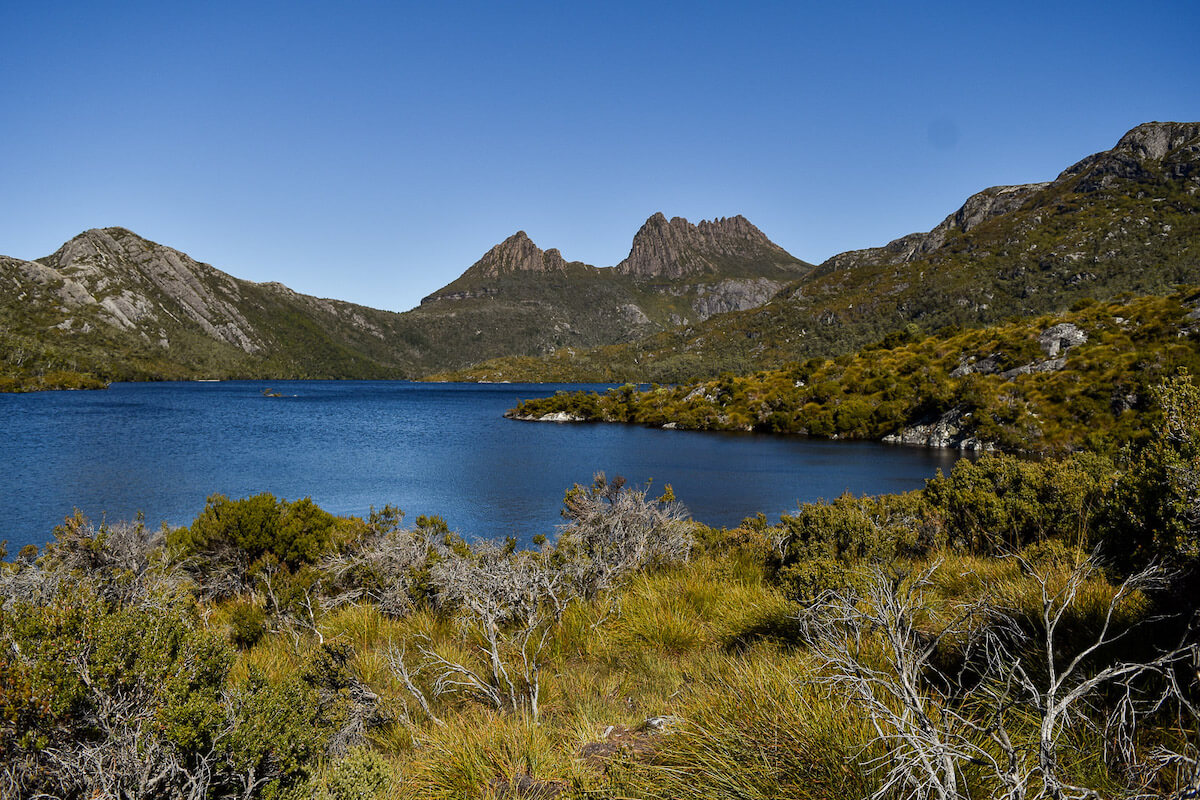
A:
(554, 416)
(983, 366)
(979, 208)
(1173, 147)
(1049, 365)
(676, 248)
(69, 293)
(517, 300)
(130, 278)
(734, 294)
(1175, 144)
(952, 429)
(948, 430)
(108, 293)
(677, 273)
(517, 253)
(1061, 338)
(1055, 341)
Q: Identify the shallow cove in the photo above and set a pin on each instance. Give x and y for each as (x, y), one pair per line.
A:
(161, 448)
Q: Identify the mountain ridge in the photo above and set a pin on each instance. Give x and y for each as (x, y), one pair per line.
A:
(1123, 220)
(675, 248)
(689, 301)
(111, 302)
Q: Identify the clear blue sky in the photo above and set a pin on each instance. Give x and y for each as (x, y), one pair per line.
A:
(372, 151)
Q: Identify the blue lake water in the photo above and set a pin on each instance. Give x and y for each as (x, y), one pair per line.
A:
(161, 448)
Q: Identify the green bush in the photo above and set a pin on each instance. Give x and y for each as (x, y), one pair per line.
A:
(1002, 503)
(248, 623)
(361, 774)
(294, 532)
(823, 540)
(1155, 509)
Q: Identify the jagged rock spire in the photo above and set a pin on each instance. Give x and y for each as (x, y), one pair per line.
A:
(675, 248)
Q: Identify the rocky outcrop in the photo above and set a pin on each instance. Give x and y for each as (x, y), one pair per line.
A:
(982, 366)
(1055, 341)
(108, 293)
(554, 416)
(733, 294)
(1148, 153)
(978, 209)
(20, 276)
(1172, 148)
(534, 303)
(134, 283)
(676, 248)
(1061, 338)
(1034, 367)
(517, 253)
(951, 429)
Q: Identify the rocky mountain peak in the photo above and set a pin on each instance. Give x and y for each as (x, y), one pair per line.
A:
(1154, 140)
(98, 246)
(675, 248)
(1149, 153)
(978, 209)
(517, 253)
(1146, 153)
(134, 282)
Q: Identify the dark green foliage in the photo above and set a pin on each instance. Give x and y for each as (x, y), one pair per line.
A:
(248, 624)
(296, 533)
(279, 732)
(258, 532)
(84, 668)
(1155, 514)
(122, 694)
(1001, 504)
(823, 541)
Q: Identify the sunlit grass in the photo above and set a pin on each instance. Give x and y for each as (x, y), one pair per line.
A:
(713, 644)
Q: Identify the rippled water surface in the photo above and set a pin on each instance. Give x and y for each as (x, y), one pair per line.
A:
(161, 448)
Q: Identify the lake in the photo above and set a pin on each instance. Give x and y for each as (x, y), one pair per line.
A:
(161, 448)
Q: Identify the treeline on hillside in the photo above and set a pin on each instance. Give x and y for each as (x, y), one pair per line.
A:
(1053, 384)
(1017, 629)
(30, 365)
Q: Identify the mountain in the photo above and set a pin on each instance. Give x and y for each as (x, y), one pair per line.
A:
(689, 300)
(115, 305)
(521, 300)
(1124, 220)
(730, 246)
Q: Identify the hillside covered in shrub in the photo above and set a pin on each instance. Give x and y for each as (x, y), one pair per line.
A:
(1081, 379)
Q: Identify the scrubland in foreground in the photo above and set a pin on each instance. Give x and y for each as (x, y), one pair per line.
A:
(1017, 629)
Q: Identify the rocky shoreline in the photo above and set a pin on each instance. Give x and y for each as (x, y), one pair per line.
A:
(945, 432)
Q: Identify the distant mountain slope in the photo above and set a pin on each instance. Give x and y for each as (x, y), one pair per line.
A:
(115, 305)
(522, 300)
(1124, 220)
